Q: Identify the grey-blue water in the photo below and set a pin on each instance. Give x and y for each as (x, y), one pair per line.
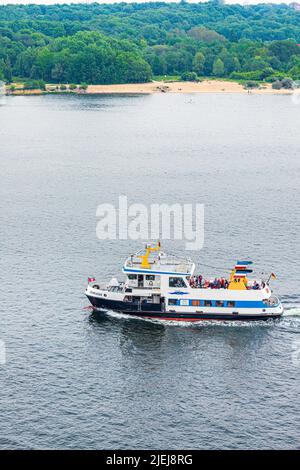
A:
(71, 379)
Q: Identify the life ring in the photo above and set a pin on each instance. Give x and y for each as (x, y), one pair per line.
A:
(150, 283)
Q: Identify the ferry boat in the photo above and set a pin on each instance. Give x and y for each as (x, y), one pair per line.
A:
(165, 287)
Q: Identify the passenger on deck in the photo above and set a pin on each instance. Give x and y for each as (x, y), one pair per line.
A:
(200, 278)
(256, 286)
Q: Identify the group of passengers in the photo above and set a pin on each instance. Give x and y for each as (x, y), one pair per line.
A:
(217, 283)
(256, 286)
(199, 282)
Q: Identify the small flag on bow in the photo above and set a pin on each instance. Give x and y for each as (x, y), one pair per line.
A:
(91, 279)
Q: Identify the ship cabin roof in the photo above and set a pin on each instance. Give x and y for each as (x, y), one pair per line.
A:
(159, 263)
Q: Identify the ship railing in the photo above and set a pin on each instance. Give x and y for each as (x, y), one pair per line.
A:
(161, 260)
(175, 261)
(256, 284)
(99, 285)
(105, 286)
(272, 301)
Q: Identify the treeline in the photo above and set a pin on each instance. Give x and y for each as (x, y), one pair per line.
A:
(123, 43)
(88, 57)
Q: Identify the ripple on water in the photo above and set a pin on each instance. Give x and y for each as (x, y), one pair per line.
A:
(73, 379)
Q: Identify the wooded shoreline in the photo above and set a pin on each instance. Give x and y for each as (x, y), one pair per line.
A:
(141, 42)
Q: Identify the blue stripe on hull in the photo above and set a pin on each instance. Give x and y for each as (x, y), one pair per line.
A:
(237, 303)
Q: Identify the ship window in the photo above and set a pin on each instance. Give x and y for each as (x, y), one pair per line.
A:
(219, 303)
(207, 303)
(150, 277)
(172, 302)
(195, 303)
(230, 303)
(176, 282)
(132, 277)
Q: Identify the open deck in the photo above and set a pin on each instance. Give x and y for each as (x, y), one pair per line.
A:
(159, 262)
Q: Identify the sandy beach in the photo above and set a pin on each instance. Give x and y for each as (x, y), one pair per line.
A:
(206, 86)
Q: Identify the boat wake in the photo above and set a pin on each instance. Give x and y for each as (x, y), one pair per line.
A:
(291, 310)
(192, 324)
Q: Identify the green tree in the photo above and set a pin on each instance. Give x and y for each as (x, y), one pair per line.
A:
(189, 77)
(206, 35)
(231, 64)
(198, 63)
(218, 67)
(284, 50)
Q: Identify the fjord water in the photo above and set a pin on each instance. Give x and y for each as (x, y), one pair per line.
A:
(73, 379)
